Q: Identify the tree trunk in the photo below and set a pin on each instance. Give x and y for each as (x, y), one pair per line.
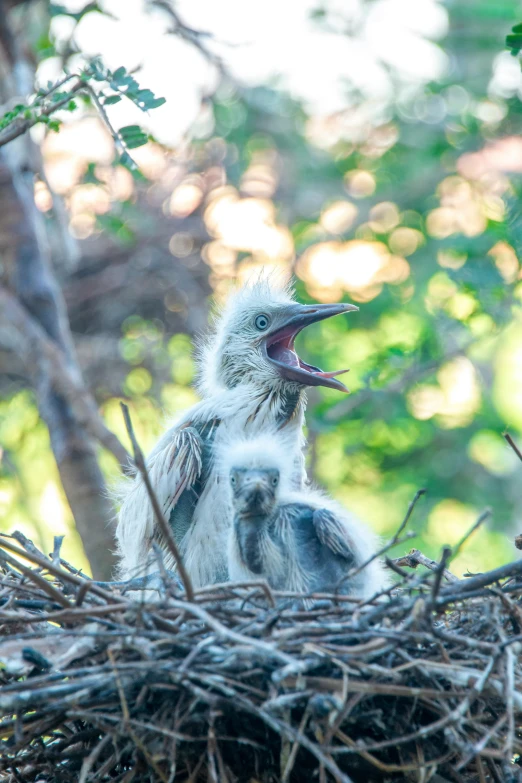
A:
(25, 256)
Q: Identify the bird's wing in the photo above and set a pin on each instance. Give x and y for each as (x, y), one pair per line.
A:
(178, 467)
(175, 471)
(333, 534)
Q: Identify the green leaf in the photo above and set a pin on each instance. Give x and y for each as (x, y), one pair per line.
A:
(138, 141)
(90, 177)
(111, 99)
(514, 41)
(119, 73)
(154, 104)
(117, 227)
(58, 96)
(55, 9)
(133, 136)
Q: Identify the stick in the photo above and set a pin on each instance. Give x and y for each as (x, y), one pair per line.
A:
(440, 570)
(162, 522)
(482, 518)
(513, 445)
(43, 562)
(481, 580)
(389, 545)
(415, 558)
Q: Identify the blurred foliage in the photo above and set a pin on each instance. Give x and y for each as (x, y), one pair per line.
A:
(112, 87)
(411, 210)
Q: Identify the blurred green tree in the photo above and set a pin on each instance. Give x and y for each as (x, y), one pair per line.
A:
(408, 205)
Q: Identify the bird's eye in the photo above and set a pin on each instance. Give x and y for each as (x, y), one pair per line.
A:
(275, 481)
(233, 480)
(262, 322)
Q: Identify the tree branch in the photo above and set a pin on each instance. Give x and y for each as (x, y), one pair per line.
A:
(194, 37)
(19, 126)
(39, 347)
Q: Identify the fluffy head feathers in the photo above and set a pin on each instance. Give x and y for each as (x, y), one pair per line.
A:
(266, 452)
(227, 355)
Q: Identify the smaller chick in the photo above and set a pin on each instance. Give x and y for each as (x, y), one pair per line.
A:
(297, 540)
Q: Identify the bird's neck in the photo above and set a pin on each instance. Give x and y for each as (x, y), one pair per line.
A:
(251, 519)
(285, 405)
(250, 531)
(292, 403)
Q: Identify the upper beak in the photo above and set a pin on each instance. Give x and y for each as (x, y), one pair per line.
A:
(279, 342)
(300, 315)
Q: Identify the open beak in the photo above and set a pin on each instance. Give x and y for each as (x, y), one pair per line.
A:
(279, 345)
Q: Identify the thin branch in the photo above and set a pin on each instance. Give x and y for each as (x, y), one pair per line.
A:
(440, 570)
(513, 445)
(486, 514)
(409, 512)
(416, 558)
(139, 461)
(56, 571)
(110, 127)
(38, 345)
(463, 586)
(393, 541)
(19, 126)
(37, 578)
(194, 37)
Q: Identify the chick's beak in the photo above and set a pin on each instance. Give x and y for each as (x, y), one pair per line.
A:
(256, 493)
(279, 345)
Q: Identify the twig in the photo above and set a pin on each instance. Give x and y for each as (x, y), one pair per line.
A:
(513, 445)
(391, 543)
(416, 558)
(112, 130)
(486, 514)
(160, 518)
(264, 647)
(440, 570)
(409, 512)
(464, 586)
(34, 576)
(194, 37)
(20, 126)
(295, 747)
(481, 744)
(57, 571)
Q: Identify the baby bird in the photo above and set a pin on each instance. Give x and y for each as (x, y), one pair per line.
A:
(251, 380)
(297, 540)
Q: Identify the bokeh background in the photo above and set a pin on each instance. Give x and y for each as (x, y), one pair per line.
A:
(370, 148)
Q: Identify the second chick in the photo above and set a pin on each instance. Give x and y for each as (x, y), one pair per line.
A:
(299, 541)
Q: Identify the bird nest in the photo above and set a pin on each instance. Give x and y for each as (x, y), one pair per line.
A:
(243, 684)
